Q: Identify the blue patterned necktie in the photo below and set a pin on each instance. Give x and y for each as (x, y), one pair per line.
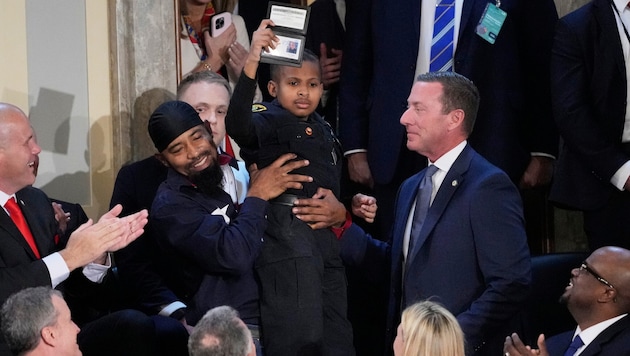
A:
(442, 48)
(423, 202)
(575, 345)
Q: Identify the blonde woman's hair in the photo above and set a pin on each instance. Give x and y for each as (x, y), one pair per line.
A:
(430, 330)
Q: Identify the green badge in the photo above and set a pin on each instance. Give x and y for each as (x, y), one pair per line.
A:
(258, 108)
(491, 22)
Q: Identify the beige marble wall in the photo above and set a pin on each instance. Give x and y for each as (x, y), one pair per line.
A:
(142, 34)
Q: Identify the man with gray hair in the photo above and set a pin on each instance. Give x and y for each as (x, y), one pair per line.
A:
(36, 321)
(221, 333)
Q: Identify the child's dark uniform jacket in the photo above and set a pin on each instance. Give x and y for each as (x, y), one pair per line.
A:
(303, 296)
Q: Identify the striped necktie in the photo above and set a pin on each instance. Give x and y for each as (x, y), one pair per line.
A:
(442, 48)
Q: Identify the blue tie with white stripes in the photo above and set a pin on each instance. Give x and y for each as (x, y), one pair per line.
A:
(443, 36)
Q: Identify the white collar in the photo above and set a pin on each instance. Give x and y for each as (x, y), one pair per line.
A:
(445, 162)
(589, 334)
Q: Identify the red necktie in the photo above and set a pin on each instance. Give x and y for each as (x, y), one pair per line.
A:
(228, 146)
(18, 219)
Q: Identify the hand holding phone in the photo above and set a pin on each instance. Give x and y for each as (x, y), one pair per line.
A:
(219, 23)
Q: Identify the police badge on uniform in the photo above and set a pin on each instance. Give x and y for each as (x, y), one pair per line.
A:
(258, 108)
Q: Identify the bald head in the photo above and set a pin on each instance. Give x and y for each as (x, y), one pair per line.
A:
(18, 150)
(6, 107)
(613, 263)
(9, 115)
(600, 288)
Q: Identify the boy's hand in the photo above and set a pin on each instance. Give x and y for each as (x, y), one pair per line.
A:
(365, 207)
(262, 39)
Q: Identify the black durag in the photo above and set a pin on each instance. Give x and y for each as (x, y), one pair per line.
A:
(170, 120)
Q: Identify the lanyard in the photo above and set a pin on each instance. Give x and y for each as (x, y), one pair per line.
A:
(625, 30)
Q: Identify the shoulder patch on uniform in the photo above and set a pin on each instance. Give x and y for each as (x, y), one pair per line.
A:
(258, 108)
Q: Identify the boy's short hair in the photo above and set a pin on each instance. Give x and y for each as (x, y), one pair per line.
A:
(307, 56)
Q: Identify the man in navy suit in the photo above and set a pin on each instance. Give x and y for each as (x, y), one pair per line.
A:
(590, 102)
(598, 297)
(470, 254)
(381, 58)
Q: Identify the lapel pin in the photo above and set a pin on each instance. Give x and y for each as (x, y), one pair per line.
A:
(454, 183)
(309, 131)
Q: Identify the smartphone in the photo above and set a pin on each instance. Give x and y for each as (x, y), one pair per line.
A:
(219, 23)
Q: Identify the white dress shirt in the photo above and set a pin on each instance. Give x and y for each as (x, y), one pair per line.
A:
(443, 164)
(589, 334)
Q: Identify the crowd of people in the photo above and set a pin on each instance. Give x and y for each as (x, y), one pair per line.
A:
(245, 234)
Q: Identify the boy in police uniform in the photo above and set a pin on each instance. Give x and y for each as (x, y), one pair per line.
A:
(303, 296)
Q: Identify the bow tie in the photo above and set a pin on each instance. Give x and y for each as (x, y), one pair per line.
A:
(225, 158)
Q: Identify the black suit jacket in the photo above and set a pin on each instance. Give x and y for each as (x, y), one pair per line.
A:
(19, 268)
(614, 340)
(379, 63)
(140, 276)
(589, 95)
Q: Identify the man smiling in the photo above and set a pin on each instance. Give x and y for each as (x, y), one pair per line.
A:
(210, 249)
(598, 298)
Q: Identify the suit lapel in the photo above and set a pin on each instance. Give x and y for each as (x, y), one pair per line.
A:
(558, 344)
(595, 347)
(34, 217)
(415, 13)
(466, 14)
(609, 34)
(453, 180)
(406, 198)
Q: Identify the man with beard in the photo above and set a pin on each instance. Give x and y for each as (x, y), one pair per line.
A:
(142, 284)
(598, 297)
(210, 250)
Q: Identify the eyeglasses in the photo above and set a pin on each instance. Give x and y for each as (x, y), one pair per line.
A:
(584, 267)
